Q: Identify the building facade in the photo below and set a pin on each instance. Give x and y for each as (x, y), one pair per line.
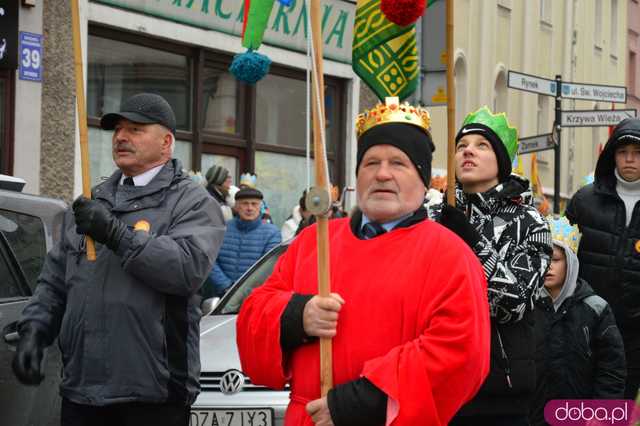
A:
(581, 40)
(633, 54)
(182, 49)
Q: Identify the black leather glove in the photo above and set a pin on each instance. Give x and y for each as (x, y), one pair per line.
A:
(27, 363)
(456, 221)
(95, 220)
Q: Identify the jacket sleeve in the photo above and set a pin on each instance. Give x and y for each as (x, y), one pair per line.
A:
(429, 378)
(274, 239)
(179, 261)
(219, 279)
(611, 369)
(258, 325)
(47, 305)
(515, 269)
(571, 211)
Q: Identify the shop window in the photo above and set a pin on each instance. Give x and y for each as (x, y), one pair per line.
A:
(6, 120)
(118, 70)
(281, 186)
(220, 120)
(3, 124)
(219, 101)
(228, 162)
(281, 112)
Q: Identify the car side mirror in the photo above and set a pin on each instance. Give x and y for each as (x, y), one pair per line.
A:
(208, 305)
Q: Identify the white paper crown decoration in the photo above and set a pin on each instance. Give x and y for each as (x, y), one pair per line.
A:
(247, 179)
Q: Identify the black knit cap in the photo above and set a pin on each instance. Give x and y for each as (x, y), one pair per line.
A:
(143, 108)
(248, 193)
(408, 138)
(502, 156)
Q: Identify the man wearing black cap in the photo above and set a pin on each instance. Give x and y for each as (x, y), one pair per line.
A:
(408, 315)
(247, 239)
(608, 216)
(127, 323)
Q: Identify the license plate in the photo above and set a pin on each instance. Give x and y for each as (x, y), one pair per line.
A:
(232, 417)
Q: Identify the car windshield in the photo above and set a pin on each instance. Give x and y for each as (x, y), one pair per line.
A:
(256, 276)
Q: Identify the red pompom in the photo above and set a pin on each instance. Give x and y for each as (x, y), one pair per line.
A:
(402, 12)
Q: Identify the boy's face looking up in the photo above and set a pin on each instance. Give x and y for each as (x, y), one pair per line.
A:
(554, 278)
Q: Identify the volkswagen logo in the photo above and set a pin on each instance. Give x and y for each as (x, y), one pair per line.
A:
(231, 382)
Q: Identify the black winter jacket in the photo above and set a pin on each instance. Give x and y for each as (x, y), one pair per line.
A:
(609, 251)
(579, 351)
(515, 250)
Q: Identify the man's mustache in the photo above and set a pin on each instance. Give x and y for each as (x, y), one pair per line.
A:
(123, 147)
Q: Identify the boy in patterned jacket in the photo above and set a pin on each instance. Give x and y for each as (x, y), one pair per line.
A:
(494, 214)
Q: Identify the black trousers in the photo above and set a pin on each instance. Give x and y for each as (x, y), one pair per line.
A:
(126, 414)
(489, 421)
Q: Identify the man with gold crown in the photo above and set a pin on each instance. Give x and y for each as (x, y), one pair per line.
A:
(494, 214)
(579, 353)
(408, 314)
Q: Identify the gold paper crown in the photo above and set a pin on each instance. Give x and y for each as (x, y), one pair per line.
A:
(393, 112)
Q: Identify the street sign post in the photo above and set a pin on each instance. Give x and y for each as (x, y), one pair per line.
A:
(536, 143)
(594, 92)
(531, 83)
(595, 118)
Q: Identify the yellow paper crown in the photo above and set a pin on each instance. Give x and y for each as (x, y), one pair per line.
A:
(564, 232)
(393, 112)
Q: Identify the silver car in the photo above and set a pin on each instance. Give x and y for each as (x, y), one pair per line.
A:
(228, 398)
(29, 226)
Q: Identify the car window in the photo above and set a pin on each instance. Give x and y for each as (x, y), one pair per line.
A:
(255, 278)
(9, 284)
(26, 238)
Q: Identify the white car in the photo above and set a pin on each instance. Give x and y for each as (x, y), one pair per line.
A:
(228, 398)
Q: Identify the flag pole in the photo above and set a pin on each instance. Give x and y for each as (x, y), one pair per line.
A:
(451, 110)
(320, 201)
(82, 115)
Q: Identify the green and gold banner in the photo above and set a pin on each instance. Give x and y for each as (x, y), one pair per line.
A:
(384, 54)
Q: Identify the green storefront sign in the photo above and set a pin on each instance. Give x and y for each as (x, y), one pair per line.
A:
(287, 25)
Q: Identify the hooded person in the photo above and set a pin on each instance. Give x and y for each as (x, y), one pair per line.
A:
(495, 216)
(579, 352)
(608, 217)
(407, 313)
(218, 184)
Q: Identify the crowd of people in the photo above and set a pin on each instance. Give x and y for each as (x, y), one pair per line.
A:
(477, 313)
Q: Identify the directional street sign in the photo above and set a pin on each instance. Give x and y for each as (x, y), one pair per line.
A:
(594, 92)
(595, 118)
(536, 143)
(531, 83)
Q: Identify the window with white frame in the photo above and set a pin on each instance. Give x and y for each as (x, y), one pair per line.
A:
(597, 25)
(614, 28)
(545, 11)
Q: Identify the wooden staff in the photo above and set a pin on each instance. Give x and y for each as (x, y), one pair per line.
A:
(320, 195)
(451, 111)
(82, 115)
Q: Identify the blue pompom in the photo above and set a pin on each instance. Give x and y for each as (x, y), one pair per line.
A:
(286, 2)
(250, 66)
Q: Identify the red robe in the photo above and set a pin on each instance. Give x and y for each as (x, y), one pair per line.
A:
(415, 321)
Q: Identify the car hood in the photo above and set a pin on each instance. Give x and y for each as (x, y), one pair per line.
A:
(218, 349)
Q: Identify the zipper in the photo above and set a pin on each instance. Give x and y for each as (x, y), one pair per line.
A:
(505, 358)
(585, 330)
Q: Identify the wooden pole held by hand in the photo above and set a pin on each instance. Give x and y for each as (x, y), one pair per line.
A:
(82, 114)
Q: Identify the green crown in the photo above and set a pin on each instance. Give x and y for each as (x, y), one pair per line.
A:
(500, 126)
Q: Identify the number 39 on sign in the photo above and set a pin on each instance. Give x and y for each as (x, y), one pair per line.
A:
(30, 64)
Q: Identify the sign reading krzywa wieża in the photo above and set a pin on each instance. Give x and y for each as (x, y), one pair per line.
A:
(286, 28)
(8, 34)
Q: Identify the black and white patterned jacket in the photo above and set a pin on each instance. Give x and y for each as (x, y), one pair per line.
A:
(515, 246)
